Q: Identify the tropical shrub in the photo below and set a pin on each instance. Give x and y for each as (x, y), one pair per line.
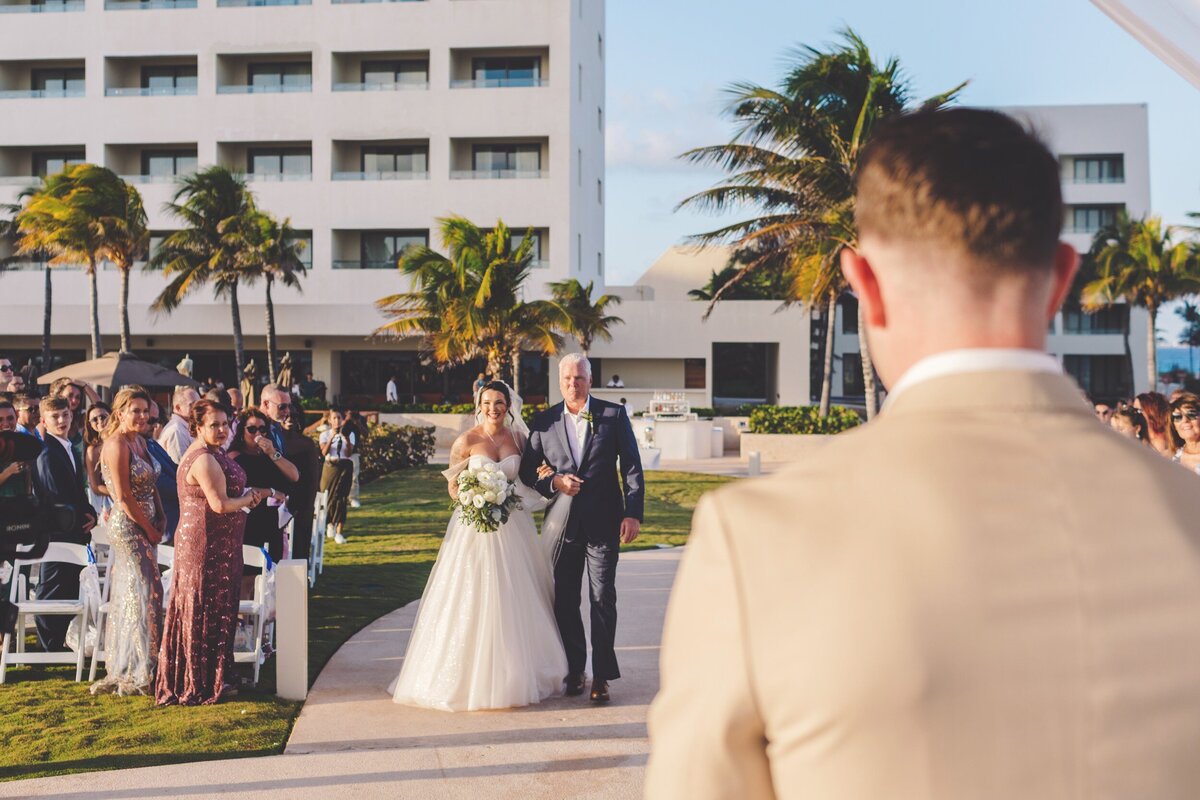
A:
(802, 419)
(314, 403)
(388, 448)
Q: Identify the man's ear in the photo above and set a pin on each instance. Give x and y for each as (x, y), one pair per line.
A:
(861, 276)
(1066, 264)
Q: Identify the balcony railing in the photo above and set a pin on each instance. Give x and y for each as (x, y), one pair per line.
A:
(169, 178)
(381, 176)
(146, 5)
(497, 83)
(359, 2)
(35, 94)
(381, 87)
(497, 174)
(264, 89)
(36, 266)
(359, 263)
(43, 8)
(279, 176)
(18, 180)
(260, 3)
(539, 263)
(143, 91)
(1105, 179)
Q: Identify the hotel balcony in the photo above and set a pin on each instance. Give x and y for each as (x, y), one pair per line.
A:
(373, 249)
(147, 5)
(25, 166)
(499, 68)
(264, 74)
(396, 70)
(44, 7)
(498, 159)
(151, 163)
(261, 3)
(268, 161)
(41, 79)
(381, 160)
(359, 2)
(150, 77)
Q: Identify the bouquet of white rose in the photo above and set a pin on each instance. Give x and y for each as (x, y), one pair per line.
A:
(485, 497)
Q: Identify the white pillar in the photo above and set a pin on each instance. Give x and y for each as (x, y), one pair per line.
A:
(291, 629)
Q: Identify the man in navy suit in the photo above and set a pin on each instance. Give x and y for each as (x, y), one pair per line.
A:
(59, 478)
(590, 445)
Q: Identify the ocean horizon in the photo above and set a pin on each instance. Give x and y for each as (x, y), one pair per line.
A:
(1185, 358)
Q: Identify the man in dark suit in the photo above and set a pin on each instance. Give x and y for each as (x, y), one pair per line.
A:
(59, 478)
(591, 446)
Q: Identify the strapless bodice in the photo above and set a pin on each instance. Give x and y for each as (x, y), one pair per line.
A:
(509, 465)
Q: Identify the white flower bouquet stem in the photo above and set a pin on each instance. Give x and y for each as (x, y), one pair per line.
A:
(485, 497)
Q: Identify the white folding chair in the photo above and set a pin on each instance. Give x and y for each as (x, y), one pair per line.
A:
(254, 610)
(316, 551)
(60, 552)
(165, 558)
(102, 547)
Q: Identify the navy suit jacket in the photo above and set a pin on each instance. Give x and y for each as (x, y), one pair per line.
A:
(168, 489)
(56, 482)
(610, 466)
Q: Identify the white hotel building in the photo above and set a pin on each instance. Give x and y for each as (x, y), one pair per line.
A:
(363, 122)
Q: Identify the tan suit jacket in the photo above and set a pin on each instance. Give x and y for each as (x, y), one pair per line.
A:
(982, 594)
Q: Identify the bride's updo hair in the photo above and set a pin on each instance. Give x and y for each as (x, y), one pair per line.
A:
(494, 386)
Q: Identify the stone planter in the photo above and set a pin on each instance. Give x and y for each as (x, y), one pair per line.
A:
(448, 426)
(781, 446)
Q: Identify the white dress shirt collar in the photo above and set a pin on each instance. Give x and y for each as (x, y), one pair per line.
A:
(979, 359)
(587, 404)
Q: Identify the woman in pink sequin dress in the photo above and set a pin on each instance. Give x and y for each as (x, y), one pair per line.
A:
(196, 662)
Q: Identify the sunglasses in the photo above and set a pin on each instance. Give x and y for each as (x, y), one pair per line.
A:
(5, 367)
(1191, 413)
(255, 429)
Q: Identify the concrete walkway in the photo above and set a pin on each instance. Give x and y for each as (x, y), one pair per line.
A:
(352, 741)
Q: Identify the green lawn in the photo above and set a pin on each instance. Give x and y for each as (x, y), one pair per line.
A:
(50, 725)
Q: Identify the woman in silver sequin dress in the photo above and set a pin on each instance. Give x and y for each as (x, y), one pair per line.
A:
(135, 527)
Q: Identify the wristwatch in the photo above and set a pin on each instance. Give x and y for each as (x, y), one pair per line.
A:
(276, 456)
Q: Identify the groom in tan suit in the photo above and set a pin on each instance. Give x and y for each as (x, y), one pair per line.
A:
(983, 594)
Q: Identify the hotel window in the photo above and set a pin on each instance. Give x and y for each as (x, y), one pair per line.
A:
(382, 249)
(395, 159)
(599, 263)
(1104, 378)
(852, 375)
(64, 82)
(282, 163)
(168, 162)
(580, 97)
(507, 71)
(506, 158)
(535, 251)
(1111, 320)
(579, 166)
(600, 45)
(1098, 169)
(170, 80)
(599, 118)
(693, 373)
(53, 162)
(306, 255)
(391, 73)
(848, 304)
(1090, 219)
(282, 77)
(600, 191)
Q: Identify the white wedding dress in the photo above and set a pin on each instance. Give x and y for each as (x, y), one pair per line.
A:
(485, 635)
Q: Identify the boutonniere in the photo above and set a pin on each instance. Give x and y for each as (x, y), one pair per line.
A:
(587, 417)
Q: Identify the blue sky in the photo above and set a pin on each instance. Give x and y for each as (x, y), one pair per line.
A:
(669, 60)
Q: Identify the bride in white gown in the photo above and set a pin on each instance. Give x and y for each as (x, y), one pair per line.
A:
(485, 635)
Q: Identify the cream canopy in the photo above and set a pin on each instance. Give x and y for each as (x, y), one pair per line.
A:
(1168, 28)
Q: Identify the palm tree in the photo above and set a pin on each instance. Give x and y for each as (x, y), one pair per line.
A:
(1136, 261)
(792, 159)
(273, 250)
(216, 209)
(87, 214)
(469, 305)
(761, 284)
(580, 317)
(1190, 337)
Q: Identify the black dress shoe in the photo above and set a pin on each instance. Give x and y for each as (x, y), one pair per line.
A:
(600, 692)
(574, 683)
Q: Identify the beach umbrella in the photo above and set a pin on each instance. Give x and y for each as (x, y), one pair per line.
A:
(115, 370)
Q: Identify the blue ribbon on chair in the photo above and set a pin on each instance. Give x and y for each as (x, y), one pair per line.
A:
(270, 563)
(91, 555)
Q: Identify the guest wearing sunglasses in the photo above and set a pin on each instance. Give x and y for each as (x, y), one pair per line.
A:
(93, 440)
(6, 374)
(264, 466)
(1185, 430)
(1157, 411)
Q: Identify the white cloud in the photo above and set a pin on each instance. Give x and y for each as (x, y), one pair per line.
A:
(648, 130)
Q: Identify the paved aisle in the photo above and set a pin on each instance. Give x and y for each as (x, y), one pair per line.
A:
(352, 741)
